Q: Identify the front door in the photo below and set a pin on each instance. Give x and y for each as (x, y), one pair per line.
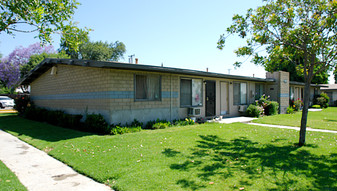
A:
(210, 98)
(224, 98)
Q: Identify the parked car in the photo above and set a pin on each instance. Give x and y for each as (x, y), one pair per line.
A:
(6, 102)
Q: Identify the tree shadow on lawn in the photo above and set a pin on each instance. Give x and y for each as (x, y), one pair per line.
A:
(38, 130)
(247, 162)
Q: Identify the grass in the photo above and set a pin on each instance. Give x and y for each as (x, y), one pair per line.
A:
(199, 157)
(8, 180)
(325, 119)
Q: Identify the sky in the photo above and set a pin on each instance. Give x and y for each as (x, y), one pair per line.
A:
(175, 33)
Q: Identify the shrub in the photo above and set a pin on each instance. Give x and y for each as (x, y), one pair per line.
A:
(136, 123)
(21, 103)
(122, 130)
(183, 122)
(269, 107)
(316, 106)
(272, 108)
(161, 125)
(254, 111)
(290, 110)
(150, 124)
(298, 105)
(97, 124)
(323, 100)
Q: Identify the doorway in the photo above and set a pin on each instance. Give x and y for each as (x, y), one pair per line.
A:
(224, 98)
(210, 98)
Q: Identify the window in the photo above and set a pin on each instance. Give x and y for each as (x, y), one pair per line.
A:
(190, 92)
(259, 91)
(240, 93)
(147, 87)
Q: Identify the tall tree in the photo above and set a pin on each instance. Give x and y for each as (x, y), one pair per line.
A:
(10, 65)
(335, 75)
(306, 28)
(44, 17)
(100, 51)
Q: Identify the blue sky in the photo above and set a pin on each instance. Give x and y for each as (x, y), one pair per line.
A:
(177, 33)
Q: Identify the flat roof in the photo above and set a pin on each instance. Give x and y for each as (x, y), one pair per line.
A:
(50, 62)
(302, 84)
(329, 87)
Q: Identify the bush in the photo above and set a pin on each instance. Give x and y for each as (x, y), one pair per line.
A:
(21, 103)
(150, 124)
(97, 124)
(183, 122)
(316, 106)
(122, 130)
(323, 100)
(254, 111)
(272, 108)
(290, 110)
(269, 107)
(161, 125)
(298, 105)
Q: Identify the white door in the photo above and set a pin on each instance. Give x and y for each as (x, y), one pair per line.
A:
(224, 98)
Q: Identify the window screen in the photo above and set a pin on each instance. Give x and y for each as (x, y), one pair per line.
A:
(240, 93)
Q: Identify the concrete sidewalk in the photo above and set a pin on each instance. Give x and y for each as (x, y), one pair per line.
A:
(38, 171)
(294, 128)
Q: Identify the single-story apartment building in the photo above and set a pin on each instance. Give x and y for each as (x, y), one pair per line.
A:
(331, 91)
(122, 92)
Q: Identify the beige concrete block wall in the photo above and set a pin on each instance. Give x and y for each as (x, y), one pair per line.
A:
(76, 89)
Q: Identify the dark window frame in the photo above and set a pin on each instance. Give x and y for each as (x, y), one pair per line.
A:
(202, 92)
(239, 96)
(147, 99)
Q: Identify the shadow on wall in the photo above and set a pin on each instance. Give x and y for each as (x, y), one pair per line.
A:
(37, 130)
(247, 163)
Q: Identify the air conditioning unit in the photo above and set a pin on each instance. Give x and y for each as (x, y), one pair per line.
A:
(242, 108)
(194, 111)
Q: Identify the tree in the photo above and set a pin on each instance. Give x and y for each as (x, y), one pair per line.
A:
(10, 65)
(43, 16)
(100, 51)
(296, 73)
(335, 75)
(36, 59)
(306, 28)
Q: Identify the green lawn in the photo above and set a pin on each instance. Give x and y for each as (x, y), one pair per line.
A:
(8, 180)
(326, 119)
(200, 157)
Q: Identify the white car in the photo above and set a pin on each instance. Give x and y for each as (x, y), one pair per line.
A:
(6, 102)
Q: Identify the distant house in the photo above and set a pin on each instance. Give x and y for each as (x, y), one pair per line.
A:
(122, 92)
(331, 90)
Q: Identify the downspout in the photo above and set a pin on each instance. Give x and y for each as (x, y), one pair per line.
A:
(171, 97)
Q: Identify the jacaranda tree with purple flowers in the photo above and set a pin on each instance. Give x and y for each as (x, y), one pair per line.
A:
(10, 65)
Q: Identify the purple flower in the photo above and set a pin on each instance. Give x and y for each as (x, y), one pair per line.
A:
(10, 65)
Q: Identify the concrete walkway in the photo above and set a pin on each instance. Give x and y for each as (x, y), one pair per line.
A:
(38, 171)
(249, 119)
(294, 128)
(236, 119)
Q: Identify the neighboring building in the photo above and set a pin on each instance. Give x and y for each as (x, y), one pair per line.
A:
(122, 92)
(331, 91)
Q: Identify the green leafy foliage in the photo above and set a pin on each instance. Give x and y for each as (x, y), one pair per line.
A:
(37, 59)
(290, 110)
(323, 100)
(100, 51)
(96, 123)
(299, 31)
(298, 104)
(21, 103)
(45, 18)
(254, 111)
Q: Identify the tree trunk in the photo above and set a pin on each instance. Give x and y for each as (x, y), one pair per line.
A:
(306, 99)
